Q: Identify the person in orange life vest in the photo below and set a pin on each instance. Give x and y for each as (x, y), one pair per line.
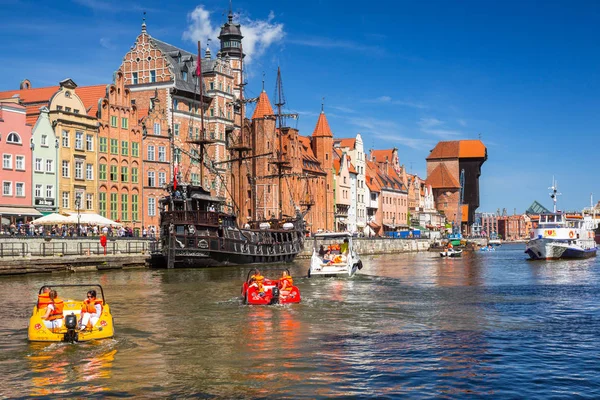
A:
(257, 281)
(54, 311)
(450, 245)
(90, 310)
(285, 283)
(43, 298)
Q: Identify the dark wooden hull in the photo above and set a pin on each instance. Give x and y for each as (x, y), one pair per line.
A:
(202, 259)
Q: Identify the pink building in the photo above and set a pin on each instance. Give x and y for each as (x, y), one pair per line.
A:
(15, 149)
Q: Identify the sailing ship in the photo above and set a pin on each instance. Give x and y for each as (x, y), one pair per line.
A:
(197, 231)
(561, 235)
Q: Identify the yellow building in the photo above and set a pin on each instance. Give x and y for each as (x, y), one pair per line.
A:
(76, 129)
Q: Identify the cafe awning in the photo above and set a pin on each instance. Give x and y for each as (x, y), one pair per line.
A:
(18, 211)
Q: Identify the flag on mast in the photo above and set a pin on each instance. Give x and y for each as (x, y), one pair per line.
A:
(175, 172)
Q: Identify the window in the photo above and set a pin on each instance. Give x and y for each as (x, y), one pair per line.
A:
(212, 86)
(124, 147)
(153, 76)
(103, 145)
(151, 206)
(134, 175)
(114, 146)
(20, 163)
(113, 206)
(44, 140)
(134, 207)
(89, 143)
(162, 179)
(135, 149)
(161, 153)
(68, 109)
(79, 140)
(65, 169)
(89, 172)
(175, 104)
(176, 129)
(65, 199)
(151, 153)
(38, 190)
(49, 191)
(157, 128)
(7, 161)
(113, 121)
(102, 172)
(135, 78)
(151, 179)
(184, 75)
(113, 173)
(190, 132)
(14, 138)
(212, 112)
(38, 165)
(195, 179)
(124, 123)
(194, 158)
(123, 174)
(89, 201)
(124, 214)
(7, 188)
(78, 169)
(59, 108)
(102, 203)
(65, 138)
(50, 166)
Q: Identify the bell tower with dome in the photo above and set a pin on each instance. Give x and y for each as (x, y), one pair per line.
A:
(231, 47)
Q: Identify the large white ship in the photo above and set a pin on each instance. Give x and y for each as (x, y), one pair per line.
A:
(561, 235)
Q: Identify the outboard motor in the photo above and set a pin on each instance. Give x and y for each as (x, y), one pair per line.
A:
(275, 293)
(71, 324)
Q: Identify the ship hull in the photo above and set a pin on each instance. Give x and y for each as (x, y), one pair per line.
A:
(547, 249)
(205, 259)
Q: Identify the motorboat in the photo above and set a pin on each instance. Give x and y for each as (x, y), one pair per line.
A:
(334, 255)
(556, 234)
(259, 290)
(452, 252)
(487, 248)
(68, 332)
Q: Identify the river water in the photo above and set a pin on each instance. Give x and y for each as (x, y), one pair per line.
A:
(407, 325)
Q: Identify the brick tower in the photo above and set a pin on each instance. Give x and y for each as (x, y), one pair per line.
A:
(322, 146)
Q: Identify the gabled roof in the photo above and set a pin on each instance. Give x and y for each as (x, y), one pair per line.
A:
(458, 149)
(90, 95)
(346, 142)
(263, 106)
(382, 155)
(322, 128)
(371, 177)
(441, 178)
(310, 162)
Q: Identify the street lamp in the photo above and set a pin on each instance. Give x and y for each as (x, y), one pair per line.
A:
(78, 205)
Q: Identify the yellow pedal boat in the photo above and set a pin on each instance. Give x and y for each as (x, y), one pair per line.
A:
(68, 332)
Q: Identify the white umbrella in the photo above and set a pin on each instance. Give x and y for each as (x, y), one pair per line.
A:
(92, 219)
(51, 219)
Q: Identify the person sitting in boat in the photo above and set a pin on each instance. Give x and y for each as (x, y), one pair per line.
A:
(322, 251)
(90, 310)
(54, 311)
(257, 282)
(450, 247)
(345, 249)
(44, 298)
(285, 283)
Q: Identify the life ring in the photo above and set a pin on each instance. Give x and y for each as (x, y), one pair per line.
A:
(571, 234)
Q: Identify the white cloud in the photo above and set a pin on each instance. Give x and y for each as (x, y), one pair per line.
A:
(107, 43)
(258, 34)
(461, 122)
(390, 100)
(434, 126)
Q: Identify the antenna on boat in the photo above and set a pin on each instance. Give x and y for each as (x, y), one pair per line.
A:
(554, 193)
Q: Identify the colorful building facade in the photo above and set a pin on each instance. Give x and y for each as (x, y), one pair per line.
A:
(43, 164)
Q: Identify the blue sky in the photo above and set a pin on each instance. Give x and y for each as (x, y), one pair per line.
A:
(523, 76)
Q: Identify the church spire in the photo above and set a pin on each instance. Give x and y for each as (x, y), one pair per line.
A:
(322, 129)
(263, 106)
(144, 23)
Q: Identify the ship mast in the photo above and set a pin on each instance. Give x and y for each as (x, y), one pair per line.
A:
(554, 193)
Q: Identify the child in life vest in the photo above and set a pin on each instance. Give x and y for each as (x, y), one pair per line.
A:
(90, 310)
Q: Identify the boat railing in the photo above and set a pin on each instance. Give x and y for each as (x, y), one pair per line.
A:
(191, 217)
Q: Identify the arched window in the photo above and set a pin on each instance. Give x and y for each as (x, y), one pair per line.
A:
(13, 137)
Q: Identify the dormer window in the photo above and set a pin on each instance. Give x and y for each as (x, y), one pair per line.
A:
(184, 75)
(67, 94)
(13, 137)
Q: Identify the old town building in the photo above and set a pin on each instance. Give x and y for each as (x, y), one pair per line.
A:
(78, 135)
(355, 150)
(119, 157)
(45, 153)
(342, 184)
(15, 147)
(445, 164)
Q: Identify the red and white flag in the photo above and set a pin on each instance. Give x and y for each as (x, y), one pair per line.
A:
(175, 172)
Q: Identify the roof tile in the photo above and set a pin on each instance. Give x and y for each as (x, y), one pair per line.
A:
(263, 106)
(441, 178)
(322, 128)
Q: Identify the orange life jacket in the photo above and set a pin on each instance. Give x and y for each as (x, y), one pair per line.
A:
(43, 300)
(286, 283)
(259, 282)
(89, 306)
(57, 313)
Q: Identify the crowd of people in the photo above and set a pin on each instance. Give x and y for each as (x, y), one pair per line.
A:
(64, 230)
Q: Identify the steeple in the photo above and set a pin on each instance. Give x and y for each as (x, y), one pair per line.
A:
(231, 37)
(144, 23)
(263, 106)
(207, 53)
(322, 129)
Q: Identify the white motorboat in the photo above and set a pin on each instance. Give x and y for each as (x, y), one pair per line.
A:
(452, 252)
(334, 255)
(561, 235)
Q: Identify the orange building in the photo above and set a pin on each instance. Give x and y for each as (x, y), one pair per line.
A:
(444, 166)
(119, 158)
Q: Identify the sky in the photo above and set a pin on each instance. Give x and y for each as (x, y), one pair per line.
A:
(522, 76)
